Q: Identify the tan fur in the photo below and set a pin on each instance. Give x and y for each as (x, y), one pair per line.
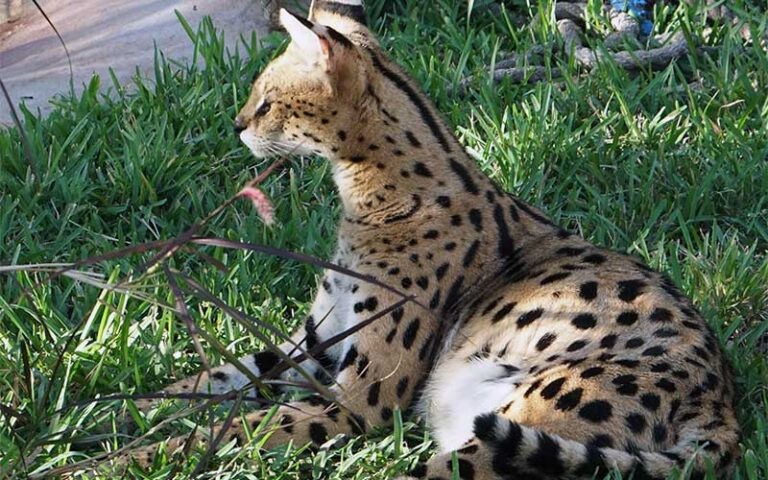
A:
(607, 365)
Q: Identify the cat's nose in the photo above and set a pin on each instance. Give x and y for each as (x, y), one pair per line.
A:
(240, 124)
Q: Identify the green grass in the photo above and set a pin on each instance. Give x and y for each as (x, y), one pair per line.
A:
(677, 177)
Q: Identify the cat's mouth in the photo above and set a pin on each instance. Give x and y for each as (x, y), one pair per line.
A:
(262, 147)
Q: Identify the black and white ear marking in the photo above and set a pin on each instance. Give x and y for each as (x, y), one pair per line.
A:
(350, 10)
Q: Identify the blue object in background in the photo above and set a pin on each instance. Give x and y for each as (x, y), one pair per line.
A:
(640, 9)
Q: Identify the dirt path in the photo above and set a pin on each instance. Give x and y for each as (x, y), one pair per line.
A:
(102, 34)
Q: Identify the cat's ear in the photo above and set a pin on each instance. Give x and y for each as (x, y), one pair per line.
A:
(303, 37)
(316, 44)
(344, 16)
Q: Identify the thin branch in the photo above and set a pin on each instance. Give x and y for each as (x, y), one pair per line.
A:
(175, 243)
(301, 257)
(248, 323)
(31, 162)
(61, 40)
(217, 439)
(183, 313)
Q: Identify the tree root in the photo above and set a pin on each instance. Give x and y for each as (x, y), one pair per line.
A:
(624, 46)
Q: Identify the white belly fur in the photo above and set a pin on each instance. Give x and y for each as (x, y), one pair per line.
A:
(458, 391)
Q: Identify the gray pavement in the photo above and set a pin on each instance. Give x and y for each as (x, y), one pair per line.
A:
(105, 33)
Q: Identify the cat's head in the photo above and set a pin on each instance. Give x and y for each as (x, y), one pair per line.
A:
(307, 97)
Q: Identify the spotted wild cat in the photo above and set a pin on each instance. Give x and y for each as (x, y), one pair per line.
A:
(531, 352)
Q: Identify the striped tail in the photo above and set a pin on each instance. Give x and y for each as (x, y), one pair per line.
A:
(345, 16)
(520, 450)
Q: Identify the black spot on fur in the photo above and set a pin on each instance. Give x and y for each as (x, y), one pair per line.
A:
(426, 347)
(626, 385)
(660, 367)
(373, 394)
(608, 341)
(349, 358)
(529, 317)
(592, 372)
(673, 408)
(666, 385)
(469, 450)
(402, 386)
(369, 304)
(410, 333)
(570, 251)
(711, 382)
(627, 318)
(628, 362)
(601, 441)
(317, 433)
(545, 341)
(577, 345)
(454, 294)
(476, 219)
(636, 423)
(650, 401)
(629, 290)
(469, 256)
(397, 314)
(654, 351)
(691, 325)
(595, 259)
(362, 366)
(596, 411)
(412, 139)
(552, 389)
(286, 423)
(465, 177)
(391, 335)
(435, 301)
(466, 470)
(570, 400)
(421, 170)
(441, 271)
(503, 312)
(661, 315)
(386, 414)
(659, 433)
(588, 291)
(584, 321)
(534, 386)
(666, 333)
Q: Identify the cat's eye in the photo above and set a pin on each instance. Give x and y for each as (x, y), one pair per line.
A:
(263, 109)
